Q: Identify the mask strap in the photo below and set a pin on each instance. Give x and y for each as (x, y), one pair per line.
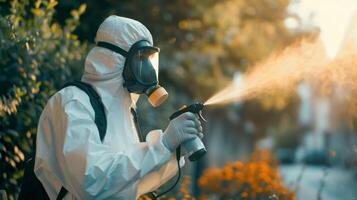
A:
(112, 47)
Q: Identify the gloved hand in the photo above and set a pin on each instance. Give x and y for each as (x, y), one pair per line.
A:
(181, 129)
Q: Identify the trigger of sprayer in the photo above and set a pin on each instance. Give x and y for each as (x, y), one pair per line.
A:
(195, 108)
(201, 117)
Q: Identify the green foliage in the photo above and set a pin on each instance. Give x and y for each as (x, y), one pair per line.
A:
(37, 56)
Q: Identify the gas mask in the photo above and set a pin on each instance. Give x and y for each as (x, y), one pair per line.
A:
(141, 70)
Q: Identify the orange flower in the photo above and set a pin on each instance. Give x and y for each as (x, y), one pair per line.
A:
(258, 177)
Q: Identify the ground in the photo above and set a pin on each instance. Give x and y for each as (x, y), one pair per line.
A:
(340, 183)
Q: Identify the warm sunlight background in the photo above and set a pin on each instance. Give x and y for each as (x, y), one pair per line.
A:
(283, 70)
(331, 16)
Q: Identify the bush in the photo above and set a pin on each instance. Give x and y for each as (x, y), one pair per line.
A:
(257, 179)
(37, 56)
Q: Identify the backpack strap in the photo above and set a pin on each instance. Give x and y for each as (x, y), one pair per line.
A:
(100, 118)
(137, 125)
(62, 193)
(97, 104)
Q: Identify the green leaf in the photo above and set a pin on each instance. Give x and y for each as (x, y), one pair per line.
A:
(38, 3)
(82, 8)
(12, 133)
(51, 5)
(38, 12)
(75, 13)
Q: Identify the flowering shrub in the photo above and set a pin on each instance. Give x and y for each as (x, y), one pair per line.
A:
(257, 179)
(37, 56)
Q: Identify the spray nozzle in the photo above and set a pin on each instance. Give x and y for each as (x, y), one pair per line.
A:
(193, 108)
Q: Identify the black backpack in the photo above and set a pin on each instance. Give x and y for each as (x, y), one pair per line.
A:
(31, 187)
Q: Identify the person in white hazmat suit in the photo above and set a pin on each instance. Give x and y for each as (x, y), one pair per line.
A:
(69, 151)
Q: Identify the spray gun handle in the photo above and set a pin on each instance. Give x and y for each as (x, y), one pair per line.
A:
(193, 108)
(195, 148)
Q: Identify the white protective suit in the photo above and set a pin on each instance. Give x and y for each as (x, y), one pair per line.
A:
(69, 150)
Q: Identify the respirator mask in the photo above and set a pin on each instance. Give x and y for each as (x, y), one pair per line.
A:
(141, 70)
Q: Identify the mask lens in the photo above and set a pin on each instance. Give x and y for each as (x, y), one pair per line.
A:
(154, 59)
(145, 66)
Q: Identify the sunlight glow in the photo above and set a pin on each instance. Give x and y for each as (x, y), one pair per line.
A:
(331, 16)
